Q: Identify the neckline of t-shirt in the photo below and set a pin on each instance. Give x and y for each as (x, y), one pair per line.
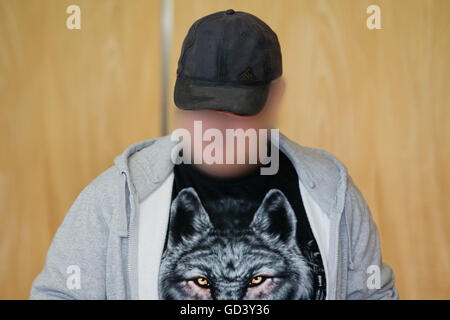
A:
(245, 178)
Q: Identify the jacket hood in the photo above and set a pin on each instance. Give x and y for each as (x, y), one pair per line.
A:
(148, 164)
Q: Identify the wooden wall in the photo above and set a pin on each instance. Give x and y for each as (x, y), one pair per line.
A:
(71, 100)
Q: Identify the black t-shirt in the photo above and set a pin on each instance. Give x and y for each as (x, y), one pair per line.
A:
(240, 238)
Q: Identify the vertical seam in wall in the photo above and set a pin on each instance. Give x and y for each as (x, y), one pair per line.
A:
(166, 43)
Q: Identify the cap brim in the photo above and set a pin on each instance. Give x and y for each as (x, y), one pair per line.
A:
(239, 99)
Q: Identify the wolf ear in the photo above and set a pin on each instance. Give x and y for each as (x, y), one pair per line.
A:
(275, 217)
(187, 217)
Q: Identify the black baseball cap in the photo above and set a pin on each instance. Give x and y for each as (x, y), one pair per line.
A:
(227, 62)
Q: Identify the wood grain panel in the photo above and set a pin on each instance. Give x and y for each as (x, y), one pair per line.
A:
(70, 101)
(377, 99)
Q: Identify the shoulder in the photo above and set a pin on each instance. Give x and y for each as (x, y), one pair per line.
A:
(324, 162)
(318, 164)
(323, 174)
(101, 197)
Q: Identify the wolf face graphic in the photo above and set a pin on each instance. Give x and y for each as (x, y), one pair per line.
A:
(259, 261)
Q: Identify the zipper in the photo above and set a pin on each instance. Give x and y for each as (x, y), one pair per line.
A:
(336, 255)
(129, 245)
(131, 249)
(131, 235)
(340, 206)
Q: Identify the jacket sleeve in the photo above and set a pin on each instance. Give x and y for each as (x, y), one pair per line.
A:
(76, 260)
(368, 277)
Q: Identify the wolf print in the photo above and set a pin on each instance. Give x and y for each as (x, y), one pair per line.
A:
(259, 261)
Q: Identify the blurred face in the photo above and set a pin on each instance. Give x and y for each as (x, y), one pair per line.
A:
(222, 120)
(226, 120)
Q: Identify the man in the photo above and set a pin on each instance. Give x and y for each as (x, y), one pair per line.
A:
(173, 220)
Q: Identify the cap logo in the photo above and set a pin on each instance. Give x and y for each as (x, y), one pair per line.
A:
(247, 75)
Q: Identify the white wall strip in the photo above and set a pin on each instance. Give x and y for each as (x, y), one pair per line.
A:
(166, 46)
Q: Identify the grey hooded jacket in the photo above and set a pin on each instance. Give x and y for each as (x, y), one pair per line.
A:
(99, 233)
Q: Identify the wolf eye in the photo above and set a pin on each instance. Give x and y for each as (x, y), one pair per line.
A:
(201, 282)
(256, 281)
